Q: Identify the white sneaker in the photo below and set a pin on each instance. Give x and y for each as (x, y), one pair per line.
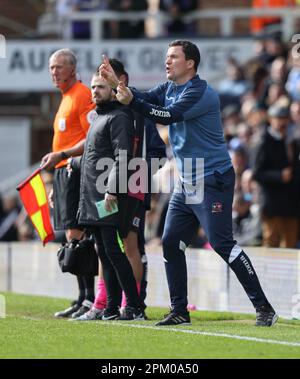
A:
(93, 314)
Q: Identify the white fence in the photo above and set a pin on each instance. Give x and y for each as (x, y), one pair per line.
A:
(29, 268)
(227, 16)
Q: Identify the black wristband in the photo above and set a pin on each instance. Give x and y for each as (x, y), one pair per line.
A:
(64, 155)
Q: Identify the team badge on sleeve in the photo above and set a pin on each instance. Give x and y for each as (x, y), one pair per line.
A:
(91, 116)
(62, 124)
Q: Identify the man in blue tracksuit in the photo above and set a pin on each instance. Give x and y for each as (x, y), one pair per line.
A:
(191, 109)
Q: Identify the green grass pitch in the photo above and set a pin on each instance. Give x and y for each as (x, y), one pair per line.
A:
(29, 330)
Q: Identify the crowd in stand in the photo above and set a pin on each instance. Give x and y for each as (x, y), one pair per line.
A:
(175, 10)
(260, 103)
(261, 116)
(127, 28)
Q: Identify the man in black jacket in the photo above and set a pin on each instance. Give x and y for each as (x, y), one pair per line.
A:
(274, 170)
(110, 140)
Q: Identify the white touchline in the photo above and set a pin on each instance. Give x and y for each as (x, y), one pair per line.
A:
(224, 335)
(178, 329)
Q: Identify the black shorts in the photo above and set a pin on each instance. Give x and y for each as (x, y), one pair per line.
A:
(66, 199)
(129, 215)
(138, 218)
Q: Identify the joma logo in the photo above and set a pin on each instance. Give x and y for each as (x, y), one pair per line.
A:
(156, 112)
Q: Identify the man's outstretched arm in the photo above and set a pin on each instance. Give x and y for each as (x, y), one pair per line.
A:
(190, 105)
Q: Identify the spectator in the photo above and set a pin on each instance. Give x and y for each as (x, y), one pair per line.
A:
(293, 81)
(235, 84)
(295, 113)
(242, 137)
(246, 221)
(275, 172)
(295, 152)
(10, 212)
(249, 187)
(275, 47)
(176, 9)
(239, 160)
(240, 164)
(231, 118)
(278, 71)
(132, 28)
(81, 29)
(26, 232)
(256, 118)
(258, 24)
(258, 75)
(274, 86)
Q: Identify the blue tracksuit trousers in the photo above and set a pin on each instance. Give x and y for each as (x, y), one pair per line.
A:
(214, 214)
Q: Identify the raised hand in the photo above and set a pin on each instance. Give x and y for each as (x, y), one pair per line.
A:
(107, 72)
(124, 95)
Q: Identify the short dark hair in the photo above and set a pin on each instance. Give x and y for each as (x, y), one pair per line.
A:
(190, 50)
(118, 68)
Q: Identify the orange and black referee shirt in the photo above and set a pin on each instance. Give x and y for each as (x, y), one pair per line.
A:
(73, 118)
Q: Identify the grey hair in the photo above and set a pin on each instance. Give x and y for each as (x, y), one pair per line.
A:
(69, 54)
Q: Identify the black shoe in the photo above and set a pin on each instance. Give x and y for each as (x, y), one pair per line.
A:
(130, 314)
(69, 311)
(85, 307)
(110, 315)
(265, 316)
(175, 319)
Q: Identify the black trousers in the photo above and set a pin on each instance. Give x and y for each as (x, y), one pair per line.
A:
(117, 271)
(141, 244)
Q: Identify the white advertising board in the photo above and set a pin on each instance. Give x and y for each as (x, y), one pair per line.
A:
(25, 67)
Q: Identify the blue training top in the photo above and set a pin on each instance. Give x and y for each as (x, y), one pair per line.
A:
(192, 111)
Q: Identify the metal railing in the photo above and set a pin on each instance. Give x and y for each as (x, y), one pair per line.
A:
(226, 16)
(8, 186)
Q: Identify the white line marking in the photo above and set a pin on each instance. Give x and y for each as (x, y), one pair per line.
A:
(178, 329)
(210, 334)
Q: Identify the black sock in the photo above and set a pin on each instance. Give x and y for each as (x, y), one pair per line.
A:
(243, 269)
(89, 284)
(81, 288)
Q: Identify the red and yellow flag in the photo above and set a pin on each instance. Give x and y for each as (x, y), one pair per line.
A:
(34, 198)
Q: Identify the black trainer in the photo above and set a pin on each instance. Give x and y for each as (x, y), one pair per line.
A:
(110, 315)
(69, 311)
(173, 318)
(130, 314)
(85, 307)
(265, 316)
